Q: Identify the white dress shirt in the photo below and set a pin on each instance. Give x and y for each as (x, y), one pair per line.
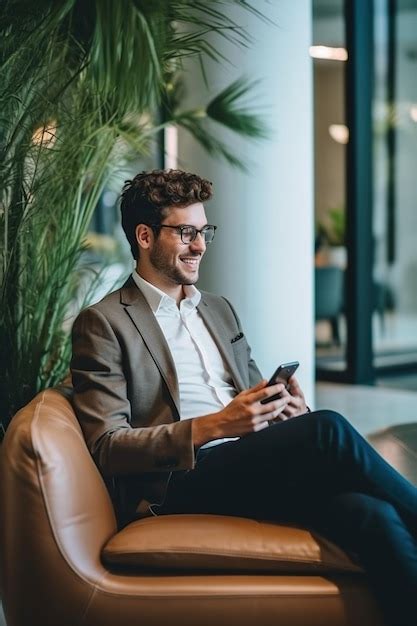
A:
(205, 385)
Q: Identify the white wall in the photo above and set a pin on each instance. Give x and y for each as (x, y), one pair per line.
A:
(262, 258)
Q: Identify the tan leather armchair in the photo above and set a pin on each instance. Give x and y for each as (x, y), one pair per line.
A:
(63, 562)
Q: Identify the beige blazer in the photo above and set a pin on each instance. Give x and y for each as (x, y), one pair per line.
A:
(126, 392)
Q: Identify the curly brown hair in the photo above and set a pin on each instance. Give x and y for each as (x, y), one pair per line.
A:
(147, 198)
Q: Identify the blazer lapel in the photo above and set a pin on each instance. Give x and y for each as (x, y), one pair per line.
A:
(222, 340)
(143, 318)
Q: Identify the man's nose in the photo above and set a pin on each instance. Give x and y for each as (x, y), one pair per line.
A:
(199, 243)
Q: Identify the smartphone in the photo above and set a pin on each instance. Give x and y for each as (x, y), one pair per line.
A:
(281, 375)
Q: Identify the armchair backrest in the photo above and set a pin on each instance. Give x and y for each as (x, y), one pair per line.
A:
(55, 513)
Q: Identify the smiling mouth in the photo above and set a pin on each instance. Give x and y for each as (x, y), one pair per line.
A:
(192, 263)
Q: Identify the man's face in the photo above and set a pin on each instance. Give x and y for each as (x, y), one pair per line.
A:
(169, 256)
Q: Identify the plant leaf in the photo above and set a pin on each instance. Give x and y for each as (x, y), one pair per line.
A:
(225, 109)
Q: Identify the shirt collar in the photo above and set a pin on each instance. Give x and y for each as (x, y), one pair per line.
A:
(158, 299)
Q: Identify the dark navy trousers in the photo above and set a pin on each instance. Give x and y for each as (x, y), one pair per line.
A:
(316, 470)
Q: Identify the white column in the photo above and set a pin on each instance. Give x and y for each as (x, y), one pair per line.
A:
(262, 258)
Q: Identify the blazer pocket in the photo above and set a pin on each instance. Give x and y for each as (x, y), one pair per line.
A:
(238, 337)
(240, 344)
(240, 352)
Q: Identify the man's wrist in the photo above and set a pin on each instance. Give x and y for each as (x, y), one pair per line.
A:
(202, 430)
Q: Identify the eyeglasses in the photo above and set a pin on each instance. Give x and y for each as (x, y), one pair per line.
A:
(189, 233)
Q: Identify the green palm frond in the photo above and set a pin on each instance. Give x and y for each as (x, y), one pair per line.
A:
(126, 53)
(226, 109)
(196, 123)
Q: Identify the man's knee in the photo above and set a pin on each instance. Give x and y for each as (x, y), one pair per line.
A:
(330, 420)
(329, 415)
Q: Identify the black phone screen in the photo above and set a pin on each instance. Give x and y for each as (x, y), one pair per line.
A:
(281, 375)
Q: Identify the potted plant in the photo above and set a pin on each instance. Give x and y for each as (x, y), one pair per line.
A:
(83, 84)
(330, 238)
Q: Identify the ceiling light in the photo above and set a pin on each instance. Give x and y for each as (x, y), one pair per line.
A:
(339, 132)
(329, 53)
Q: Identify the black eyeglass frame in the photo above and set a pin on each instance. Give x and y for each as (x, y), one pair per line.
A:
(182, 227)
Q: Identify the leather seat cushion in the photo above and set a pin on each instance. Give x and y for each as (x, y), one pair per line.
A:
(217, 542)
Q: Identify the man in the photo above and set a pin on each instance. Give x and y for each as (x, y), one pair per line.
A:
(169, 400)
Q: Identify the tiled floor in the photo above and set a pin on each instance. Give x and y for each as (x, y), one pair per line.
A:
(368, 409)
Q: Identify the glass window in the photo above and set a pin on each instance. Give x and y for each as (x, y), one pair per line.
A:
(331, 136)
(395, 190)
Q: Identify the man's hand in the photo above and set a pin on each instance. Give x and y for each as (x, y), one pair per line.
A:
(243, 415)
(296, 402)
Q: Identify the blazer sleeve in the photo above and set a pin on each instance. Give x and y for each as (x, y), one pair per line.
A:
(254, 373)
(103, 409)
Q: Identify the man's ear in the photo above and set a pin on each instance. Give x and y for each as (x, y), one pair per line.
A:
(144, 236)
